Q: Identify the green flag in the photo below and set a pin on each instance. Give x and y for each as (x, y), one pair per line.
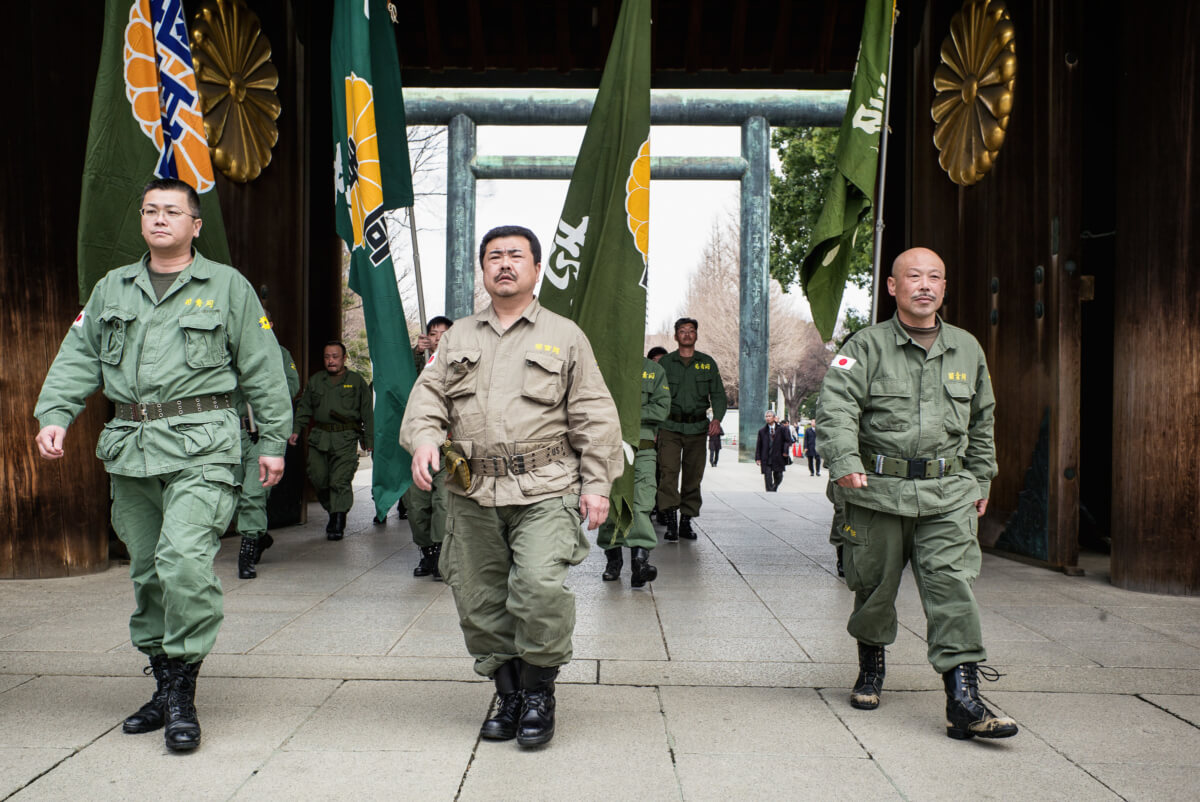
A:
(596, 272)
(372, 175)
(146, 123)
(852, 188)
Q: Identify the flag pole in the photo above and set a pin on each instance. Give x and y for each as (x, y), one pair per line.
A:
(412, 230)
(882, 178)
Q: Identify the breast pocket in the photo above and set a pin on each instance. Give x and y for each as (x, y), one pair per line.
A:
(205, 336)
(114, 328)
(889, 405)
(462, 373)
(958, 407)
(543, 381)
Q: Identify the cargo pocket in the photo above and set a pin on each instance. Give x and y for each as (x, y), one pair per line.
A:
(958, 407)
(462, 373)
(201, 437)
(862, 563)
(114, 327)
(546, 479)
(575, 545)
(205, 336)
(543, 381)
(447, 559)
(114, 439)
(888, 405)
(221, 482)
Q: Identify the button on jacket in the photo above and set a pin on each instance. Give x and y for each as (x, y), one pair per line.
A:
(340, 400)
(207, 336)
(509, 391)
(884, 395)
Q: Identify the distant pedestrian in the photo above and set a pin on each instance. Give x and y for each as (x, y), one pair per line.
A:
(714, 445)
(810, 450)
(770, 452)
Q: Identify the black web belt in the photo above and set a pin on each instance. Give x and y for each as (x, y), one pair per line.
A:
(171, 409)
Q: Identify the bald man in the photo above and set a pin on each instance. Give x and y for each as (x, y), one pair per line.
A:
(905, 426)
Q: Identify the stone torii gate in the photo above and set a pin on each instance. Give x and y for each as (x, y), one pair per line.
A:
(754, 111)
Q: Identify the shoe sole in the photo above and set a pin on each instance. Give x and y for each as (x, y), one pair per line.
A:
(496, 736)
(140, 730)
(538, 740)
(183, 747)
(863, 705)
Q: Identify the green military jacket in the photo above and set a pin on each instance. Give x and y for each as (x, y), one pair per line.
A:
(695, 386)
(341, 400)
(656, 398)
(290, 374)
(884, 395)
(206, 336)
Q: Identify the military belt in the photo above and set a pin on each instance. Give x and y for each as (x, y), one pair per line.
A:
(644, 445)
(504, 464)
(916, 468)
(171, 409)
(336, 427)
(686, 417)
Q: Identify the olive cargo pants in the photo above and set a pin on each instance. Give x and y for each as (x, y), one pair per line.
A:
(506, 567)
(427, 512)
(332, 473)
(686, 454)
(251, 509)
(172, 525)
(945, 556)
(641, 534)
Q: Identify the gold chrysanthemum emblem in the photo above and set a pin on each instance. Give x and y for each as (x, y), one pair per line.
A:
(637, 200)
(974, 85)
(237, 87)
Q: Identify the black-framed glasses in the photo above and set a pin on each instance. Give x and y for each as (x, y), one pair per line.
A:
(171, 212)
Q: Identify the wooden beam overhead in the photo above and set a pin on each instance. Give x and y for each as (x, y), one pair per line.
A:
(520, 40)
(828, 26)
(479, 60)
(783, 24)
(562, 26)
(433, 39)
(695, 37)
(737, 38)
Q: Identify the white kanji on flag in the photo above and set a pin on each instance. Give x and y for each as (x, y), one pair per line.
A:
(78, 320)
(843, 362)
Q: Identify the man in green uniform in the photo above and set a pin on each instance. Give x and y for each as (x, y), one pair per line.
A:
(656, 403)
(339, 403)
(427, 508)
(909, 405)
(536, 447)
(170, 338)
(251, 514)
(696, 385)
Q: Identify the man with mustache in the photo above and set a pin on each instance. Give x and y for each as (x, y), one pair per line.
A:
(536, 446)
(905, 423)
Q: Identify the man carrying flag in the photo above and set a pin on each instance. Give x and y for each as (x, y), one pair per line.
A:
(372, 175)
(597, 270)
(852, 187)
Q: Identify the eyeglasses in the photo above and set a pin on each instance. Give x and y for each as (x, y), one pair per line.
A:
(171, 212)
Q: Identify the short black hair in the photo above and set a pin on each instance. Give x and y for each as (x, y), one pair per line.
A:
(535, 247)
(338, 343)
(683, 321)
(175, 185)
(440, 320)
(657, 350)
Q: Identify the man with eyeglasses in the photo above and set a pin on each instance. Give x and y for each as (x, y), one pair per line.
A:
(170, 339)
(696, 385)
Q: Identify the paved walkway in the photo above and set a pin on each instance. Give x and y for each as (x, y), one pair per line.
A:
(338, 675)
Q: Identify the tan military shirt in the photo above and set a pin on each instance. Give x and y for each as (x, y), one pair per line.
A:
(511, 391)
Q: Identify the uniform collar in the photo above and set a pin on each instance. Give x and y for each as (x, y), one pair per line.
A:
(139, 273)
(943, 342)
(490, 317)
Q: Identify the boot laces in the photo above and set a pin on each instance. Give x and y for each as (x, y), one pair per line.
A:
(538, 700)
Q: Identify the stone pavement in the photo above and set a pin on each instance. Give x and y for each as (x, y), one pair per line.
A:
(338, 675)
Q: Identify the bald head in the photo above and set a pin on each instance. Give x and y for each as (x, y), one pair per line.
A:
(918, 283)
(918, 256)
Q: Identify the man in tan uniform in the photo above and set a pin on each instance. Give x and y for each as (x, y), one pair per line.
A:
(535, 425)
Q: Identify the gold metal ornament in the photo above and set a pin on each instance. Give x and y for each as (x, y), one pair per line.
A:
(237, 82)
(974, 89)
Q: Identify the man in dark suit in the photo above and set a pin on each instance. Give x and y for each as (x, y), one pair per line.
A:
(810, 449)
(770, 452)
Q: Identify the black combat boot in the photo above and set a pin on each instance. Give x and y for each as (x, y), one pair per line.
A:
(337, 520)
(503, 725)
(840, 568)
(869, 684)
(433, 562)
(966, 715)
(685, 528)
(401, 510)
(425, 566)
(643, 571)
(672, 534)
(152, 715)
(612, 571)
(183, 728)
(536, 726)
(264, 542)
(246, 558)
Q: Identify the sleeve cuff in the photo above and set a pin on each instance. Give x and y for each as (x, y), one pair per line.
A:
(985, 489)
(844, 466)
(595, 489)
(55, 419)
(272, 448)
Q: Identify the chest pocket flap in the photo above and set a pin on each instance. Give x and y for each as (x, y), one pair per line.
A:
(891, 387)
(888, 406)
(543, 381)
(114, 325)
(205, 339)
(462, 372)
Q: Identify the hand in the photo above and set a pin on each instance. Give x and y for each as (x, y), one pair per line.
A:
(853, 480)
(270, 470)
(714, 427)
(424, 458)
(293, 440)
(50, 441)
(424, 342)
(981, 506)
(593, 509)
(758, 462)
